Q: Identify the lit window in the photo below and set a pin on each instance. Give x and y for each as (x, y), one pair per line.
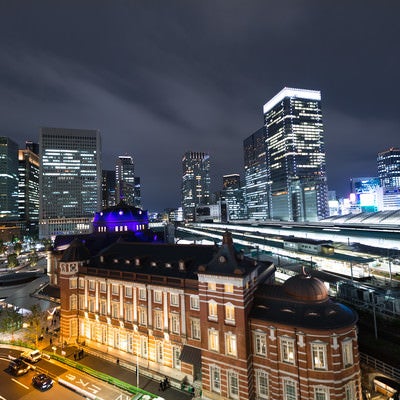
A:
(233, 385)
(81, 283)
(194, 302)
(215, 374)
(158, 319)
(81, 302)
(212, 286)
(213, 342)
(142, 316)
(262, 384)
(287, 350)
(159, 352)
(143, 347)
(176, 354)
(142, 294)
(230, 344)
(175, 323)
(229, 313)
(260, 343)
(73, 302)
(91, 285)
(128, 313)
(228, 288)
(174, 299)
(103, 307)
(128, 291)
(73, 282)
(321, 393)
(349, 391)
(115, 289)
(114, 310)
(103, 287)
(91, 305)
(212, 310)
(347, 349)
(289, 390)
(195, 326)
(318, 351)
(157, 296)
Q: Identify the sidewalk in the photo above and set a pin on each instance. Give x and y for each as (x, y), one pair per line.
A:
(124, 371)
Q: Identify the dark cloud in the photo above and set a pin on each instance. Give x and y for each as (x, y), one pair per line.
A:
(158, 78)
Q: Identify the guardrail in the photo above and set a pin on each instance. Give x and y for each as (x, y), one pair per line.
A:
(380, 366)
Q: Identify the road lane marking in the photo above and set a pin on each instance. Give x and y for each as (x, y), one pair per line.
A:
(19, 383)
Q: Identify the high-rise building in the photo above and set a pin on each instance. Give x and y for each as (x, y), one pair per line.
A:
(296, 155)
(125, 179)
(233, 196)
(195, 182)
(137, 201)
(8, 180)
(256, 175)
(389, 167)
(70, 180)
(108, 184)
(28, 189)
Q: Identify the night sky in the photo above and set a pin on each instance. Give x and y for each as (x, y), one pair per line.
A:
(158, 78)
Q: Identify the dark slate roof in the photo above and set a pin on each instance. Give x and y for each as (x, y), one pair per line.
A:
(76, 251)
(154, 258)
(227, 261)
(95, 242)
(274, 304)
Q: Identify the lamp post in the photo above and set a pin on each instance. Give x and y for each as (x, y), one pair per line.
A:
(374, 314)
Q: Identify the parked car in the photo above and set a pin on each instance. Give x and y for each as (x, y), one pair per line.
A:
(31, 355)
(42, 382)
(18, 367)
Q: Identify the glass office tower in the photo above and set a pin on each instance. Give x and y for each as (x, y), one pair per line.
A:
(256, 175)
(195, 182)
(8, 180)
(296, 155)
(125, 179)
(389, 167)
(233, 196)
(70, 180)
(28, 191)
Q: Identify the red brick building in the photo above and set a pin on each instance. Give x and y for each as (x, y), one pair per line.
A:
(211, 317)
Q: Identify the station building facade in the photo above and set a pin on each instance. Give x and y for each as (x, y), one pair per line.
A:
(211, 317)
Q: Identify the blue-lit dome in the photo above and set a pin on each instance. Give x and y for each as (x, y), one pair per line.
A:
(121, 218)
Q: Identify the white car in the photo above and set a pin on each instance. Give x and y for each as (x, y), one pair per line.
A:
(32, 355)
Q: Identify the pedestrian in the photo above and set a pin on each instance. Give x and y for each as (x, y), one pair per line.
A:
(51, 341)
(117, 361)
(161, 385)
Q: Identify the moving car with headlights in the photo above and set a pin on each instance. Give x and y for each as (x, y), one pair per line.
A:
(42, 381)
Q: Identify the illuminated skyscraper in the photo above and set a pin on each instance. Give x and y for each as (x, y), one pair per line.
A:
(233, 196)
(108, 184)
(296, 155)
(28, 187)
(125, 180)
(256, 175)
(195, 182)
(70, 180)
(389, 167)
(8, 180)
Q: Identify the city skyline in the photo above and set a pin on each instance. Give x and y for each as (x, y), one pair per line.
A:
(158, 80)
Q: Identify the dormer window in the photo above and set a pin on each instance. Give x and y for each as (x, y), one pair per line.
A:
(222, 259)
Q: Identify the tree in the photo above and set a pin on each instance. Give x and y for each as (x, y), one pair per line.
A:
(33, 258)
(11, 321)
(18, 248)
(35, 320)
(12, 260)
